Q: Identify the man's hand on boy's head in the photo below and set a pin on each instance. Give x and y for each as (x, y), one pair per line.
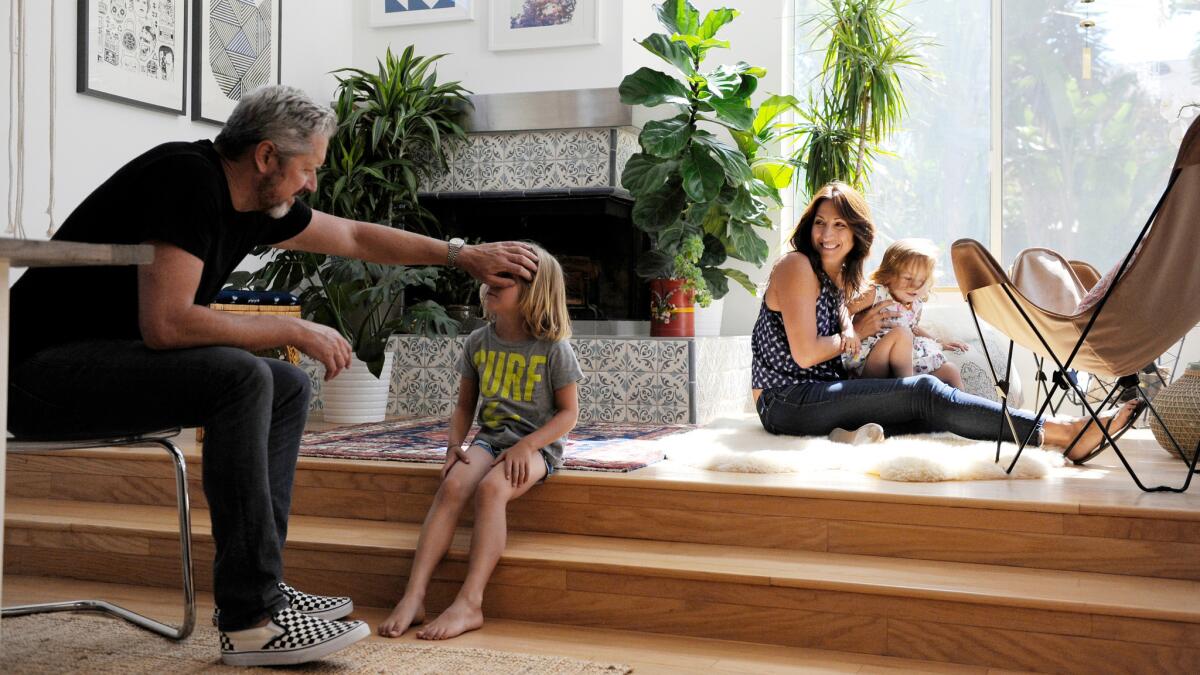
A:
(499, 264)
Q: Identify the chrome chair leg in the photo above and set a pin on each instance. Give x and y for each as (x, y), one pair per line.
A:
(185, 544)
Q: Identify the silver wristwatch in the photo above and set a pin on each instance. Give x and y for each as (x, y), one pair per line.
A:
(453, 248)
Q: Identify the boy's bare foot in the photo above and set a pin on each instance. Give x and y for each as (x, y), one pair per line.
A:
(1092, 438)
(408, 612)
(458, 618)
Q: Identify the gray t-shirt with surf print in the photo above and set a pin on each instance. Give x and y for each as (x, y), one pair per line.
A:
(517, 381)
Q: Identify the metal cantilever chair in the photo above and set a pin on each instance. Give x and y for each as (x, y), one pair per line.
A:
(151, 439)
(1131, 316)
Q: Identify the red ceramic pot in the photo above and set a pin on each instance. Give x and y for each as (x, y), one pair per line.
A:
(682, 319)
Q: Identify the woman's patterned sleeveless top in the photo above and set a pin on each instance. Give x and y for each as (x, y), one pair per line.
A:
(772, 365)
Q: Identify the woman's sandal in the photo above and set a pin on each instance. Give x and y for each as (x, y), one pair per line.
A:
(1138, 408)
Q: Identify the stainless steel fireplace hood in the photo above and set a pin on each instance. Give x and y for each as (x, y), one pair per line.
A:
(540, 110)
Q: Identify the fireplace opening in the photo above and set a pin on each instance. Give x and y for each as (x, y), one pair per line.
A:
(589, 231)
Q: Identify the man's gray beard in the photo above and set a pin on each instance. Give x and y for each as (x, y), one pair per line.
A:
(279, 210)
(265, 188)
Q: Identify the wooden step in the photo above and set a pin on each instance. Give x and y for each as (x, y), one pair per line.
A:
(1156, 535)
(646, 653)
(964, 613)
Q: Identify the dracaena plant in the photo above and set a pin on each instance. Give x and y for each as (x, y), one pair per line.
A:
(698, 196)
(859, 100)
(393, 128)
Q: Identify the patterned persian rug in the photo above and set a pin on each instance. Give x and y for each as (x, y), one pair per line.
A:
(593, 446)
(82, 643)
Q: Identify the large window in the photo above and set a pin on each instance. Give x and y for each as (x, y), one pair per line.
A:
(1086, 140)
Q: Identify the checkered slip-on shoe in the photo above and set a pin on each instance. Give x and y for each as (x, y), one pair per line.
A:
(289, 638)
(328, 607)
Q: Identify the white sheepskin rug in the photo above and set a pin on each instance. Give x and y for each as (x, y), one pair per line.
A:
(741, 445)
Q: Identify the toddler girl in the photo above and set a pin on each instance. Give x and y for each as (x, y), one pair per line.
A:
(522, 366)
(904, 276)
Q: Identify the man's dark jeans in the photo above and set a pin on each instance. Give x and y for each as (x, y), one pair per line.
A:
(252, 409)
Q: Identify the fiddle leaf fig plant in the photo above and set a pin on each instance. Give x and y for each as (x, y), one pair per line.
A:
(698, 196)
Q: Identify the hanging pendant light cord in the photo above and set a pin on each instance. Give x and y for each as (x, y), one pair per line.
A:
(53, 110)
(16, 119)
(16, 219)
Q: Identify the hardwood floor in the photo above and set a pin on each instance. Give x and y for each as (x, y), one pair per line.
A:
(1079, 519)
(1075, 572)
(646, 653)
(322, 543)
(1100, 488)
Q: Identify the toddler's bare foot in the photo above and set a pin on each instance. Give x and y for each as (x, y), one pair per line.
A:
(1092, 438)
(867, 433)
(408, 612)
(458, 618)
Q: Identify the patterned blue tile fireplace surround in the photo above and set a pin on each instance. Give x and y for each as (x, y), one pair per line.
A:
(562, 189)
(518, 175)
(535, 161)
(626, 379)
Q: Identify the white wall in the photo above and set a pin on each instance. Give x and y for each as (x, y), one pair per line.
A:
(95, 137)
(486, 72)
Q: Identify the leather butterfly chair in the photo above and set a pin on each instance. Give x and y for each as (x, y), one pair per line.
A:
(1129, 317)
(1028, 274)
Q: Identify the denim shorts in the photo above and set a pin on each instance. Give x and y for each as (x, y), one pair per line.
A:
(496, 453)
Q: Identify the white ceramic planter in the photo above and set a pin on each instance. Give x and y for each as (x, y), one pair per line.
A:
(708, 319)
(355, 395)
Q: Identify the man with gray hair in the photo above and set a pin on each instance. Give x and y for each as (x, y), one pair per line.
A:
(142, 351)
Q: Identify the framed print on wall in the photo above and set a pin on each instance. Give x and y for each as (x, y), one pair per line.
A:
(235, 50)
(134, 51)
(536, 24)
(404, 12)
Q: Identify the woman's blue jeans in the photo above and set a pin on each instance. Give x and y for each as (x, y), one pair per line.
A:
(252, 409)
(910, 405)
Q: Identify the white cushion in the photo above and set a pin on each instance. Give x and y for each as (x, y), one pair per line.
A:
(946, 322)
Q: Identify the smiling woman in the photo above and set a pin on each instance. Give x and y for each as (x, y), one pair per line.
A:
(803, 328)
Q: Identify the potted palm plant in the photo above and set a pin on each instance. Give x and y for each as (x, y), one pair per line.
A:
(698, 196)
(393, 126)
(860, 99)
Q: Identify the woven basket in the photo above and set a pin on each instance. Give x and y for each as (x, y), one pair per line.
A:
(1179, 407)
(286, 352)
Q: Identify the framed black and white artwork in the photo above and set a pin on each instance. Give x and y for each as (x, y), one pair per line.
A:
(134, 51)
(235, 50)
(407, 12)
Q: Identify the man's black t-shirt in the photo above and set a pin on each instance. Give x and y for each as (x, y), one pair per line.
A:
(175, 193)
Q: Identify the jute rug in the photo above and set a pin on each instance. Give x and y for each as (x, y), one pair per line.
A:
(591, 446)
(83, 643)
(740, 444)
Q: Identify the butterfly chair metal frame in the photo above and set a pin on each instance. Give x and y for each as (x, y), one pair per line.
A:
(1043, 388)
(152, 439)
(1060, 381)
(1088, 276)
